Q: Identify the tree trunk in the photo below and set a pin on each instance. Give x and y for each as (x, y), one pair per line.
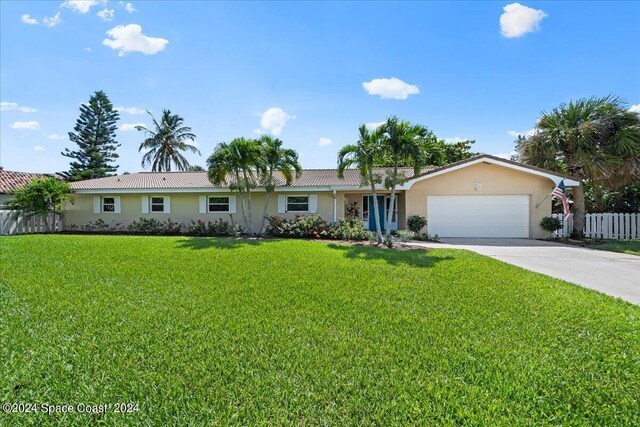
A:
(578, 212)
(392, 201)
(244, 210)
(375, 209)
(264, 212)
(249, 209)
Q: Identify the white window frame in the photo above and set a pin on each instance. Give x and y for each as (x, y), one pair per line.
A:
(209, 203)
(103, 204)
(291, 196)
(151, 204)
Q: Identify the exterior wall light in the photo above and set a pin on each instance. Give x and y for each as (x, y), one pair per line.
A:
(477, 185)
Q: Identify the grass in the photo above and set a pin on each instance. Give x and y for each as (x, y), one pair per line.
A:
(226, 332)
(631, 247)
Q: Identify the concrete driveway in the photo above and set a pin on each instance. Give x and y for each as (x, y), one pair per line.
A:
(612, 273)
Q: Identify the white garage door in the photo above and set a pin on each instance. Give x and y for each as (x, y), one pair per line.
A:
(478, 216)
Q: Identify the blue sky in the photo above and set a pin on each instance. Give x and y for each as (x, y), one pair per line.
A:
(297, 69)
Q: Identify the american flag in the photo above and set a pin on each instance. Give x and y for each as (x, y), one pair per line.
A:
(560, 192)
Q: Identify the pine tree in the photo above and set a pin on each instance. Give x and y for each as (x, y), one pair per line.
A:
(95, 134)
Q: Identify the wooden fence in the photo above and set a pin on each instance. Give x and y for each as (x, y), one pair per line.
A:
(11, 225)
(615, 226)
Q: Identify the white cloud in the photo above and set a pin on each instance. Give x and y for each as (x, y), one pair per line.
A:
(129, 38)
(52, 21)
(55, 137)
(635, 108)
(128, 127)
(506, 155)
(273, 120)
(88, 49)
(106, 14)
(518, 20)
(129, 8)
(130, 110)
(27, 19)
(324, 141)
(374, 125)
(392, 88)
(7, 106)
(80, 6)
(26, 125)
(515, 133)
(38, 148)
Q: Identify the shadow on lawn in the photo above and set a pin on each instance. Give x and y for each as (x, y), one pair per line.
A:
(414, 258)
(215, 242)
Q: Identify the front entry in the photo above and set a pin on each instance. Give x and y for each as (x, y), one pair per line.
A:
(372, 218)
(384, 202)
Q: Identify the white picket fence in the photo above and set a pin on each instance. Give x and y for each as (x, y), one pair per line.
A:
(615, 226)
(11, 225)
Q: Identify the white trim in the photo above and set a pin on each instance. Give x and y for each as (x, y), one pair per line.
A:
(282, 203)
(97, 204)
(313, 203)
(224, 190)
(555, 178)
(232, 204)
(202, 204)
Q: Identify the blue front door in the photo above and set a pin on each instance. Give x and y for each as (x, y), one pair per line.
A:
(372, 218)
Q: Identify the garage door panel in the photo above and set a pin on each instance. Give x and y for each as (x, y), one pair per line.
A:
(478, 216)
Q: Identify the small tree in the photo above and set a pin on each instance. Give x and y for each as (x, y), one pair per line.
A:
(95, 135)
(42, 197)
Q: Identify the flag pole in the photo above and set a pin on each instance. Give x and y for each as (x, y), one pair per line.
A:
(554, 189)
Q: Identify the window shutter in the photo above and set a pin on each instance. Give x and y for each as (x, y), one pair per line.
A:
(282, 203)
(96, 204)
(203, 204)
(145, 204)
(116, 208)
(313, 203)
(232, 204)
(167, 204)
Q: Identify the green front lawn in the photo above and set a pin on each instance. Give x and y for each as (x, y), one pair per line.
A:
(625, 246)
(204, 331)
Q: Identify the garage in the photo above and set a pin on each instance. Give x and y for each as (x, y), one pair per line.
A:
(479, 216)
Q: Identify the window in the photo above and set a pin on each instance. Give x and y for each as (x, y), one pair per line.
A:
(218, 204)
(365, 208)
(297, 203)
(108, 204)
(157, 204)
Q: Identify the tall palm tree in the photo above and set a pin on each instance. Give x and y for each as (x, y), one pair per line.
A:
(594, 139)
(166, 142)
(405, 144)
(239, 162)
(275, 158)
(363, 155)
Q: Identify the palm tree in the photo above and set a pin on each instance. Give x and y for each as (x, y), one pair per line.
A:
(363, 155)
(239, 162)
(275, 159)
(405, 144)
(166, 142)
(594, 139)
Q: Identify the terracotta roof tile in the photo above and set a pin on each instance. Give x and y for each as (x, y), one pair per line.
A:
(11, 181)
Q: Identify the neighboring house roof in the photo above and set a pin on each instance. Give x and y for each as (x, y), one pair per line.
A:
(11, 181)
(199, 180)
(310, 179)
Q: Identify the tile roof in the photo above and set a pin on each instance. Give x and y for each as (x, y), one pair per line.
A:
(192, 180)
(11, 181)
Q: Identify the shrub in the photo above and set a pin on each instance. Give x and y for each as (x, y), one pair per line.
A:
(146, 226)
(314, 227)
(349, 230)
(416, 223)
(550, 224)
(426, 237)
(99, 226)
(405, 235)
